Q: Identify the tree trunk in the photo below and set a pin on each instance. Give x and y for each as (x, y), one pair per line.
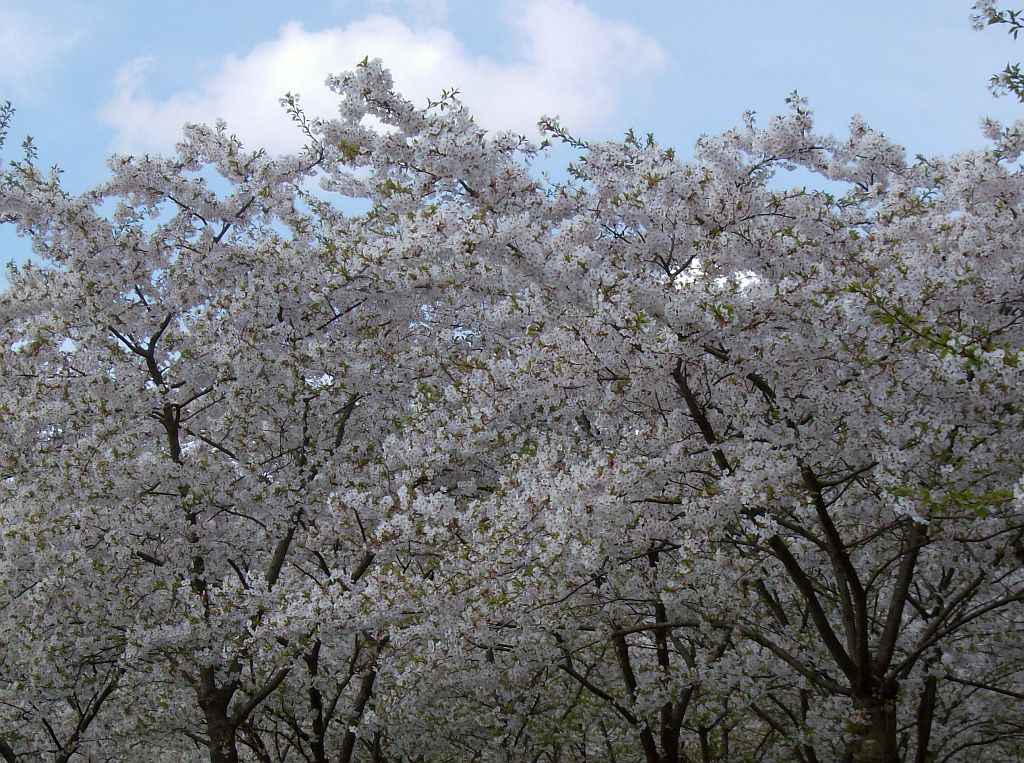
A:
(214, 701)
(925, 714)
(316, 702)
(348, 743)
(876, 740)
(705, 745)
(7, 753)
(223, 748)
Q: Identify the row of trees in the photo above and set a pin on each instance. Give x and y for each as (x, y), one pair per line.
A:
(663, 462)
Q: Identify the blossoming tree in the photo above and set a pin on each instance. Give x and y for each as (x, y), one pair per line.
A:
(666, 461)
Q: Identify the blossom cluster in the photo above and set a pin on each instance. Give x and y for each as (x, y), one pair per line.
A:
(661, 461)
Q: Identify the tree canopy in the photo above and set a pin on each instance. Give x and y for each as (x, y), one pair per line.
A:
(666, 460)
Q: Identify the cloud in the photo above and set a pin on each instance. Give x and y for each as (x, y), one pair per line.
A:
(571, 62)
(27, 51)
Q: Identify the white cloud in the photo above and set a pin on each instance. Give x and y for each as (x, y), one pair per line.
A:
(27, 50)
(571, 62)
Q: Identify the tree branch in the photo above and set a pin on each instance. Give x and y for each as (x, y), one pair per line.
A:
(897, 602)
(853, 598)
(806, 588)
(238, 718)
(698, 415)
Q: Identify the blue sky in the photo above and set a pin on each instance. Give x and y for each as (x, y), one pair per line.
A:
(92, 78)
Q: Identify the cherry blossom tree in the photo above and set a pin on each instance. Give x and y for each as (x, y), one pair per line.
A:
(757, 492)
(987, 13)
(668, 460)
(197, 419)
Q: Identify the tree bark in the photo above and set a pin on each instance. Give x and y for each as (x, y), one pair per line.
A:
(925, 714)
(348, 743)
(316, 702)
(7, 753)
(876, 740)
(705, 744)
(214, 701)
(223, 746)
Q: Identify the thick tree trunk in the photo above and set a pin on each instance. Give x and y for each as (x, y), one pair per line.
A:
(876, 740)
(214, 701)
(223, 746)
